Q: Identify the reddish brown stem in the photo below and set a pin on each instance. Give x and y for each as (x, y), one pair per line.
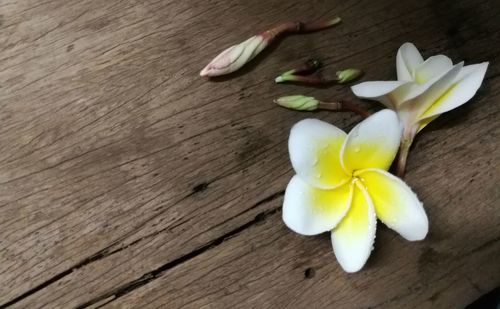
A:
(339, 106)
(299, 27)
(308, 67)
(318, 25)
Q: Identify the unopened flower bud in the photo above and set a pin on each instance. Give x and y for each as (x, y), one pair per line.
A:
(234, 57)
(348, 75)
(298, 102)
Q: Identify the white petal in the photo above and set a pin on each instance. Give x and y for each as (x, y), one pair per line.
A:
(407, 59)
(373, 143)
(432, 68)
(379, 91)
(460, 91)
(314, 147)
(426, 75)
(353, 238)
(395, 204)
(372, 90)
(310, 211)
(424, 101)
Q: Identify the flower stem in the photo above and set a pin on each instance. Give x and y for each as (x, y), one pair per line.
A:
(319, 25)
(404, 149)
(299, 27)
(338, 106)
(308, 67)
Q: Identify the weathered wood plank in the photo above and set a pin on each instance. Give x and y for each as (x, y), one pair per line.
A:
(119, 134)
(121, 162)
(267, 266)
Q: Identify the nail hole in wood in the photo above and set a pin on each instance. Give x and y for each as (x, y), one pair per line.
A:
(309, 273)
(259, 218)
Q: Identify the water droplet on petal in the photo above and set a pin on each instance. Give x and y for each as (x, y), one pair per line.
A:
(356, 149)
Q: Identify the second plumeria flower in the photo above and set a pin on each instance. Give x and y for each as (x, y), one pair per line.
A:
(342, 185)
(424, 90)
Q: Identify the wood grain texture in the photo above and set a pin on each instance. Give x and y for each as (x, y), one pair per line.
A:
(128, 181)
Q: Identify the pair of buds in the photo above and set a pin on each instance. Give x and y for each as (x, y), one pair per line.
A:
(309, 74)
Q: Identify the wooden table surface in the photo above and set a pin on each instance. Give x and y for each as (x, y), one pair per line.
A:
(127, 181)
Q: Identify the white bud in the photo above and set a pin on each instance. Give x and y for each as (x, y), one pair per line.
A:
(235, 57)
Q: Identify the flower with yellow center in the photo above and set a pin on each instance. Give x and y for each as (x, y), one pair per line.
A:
(424, 90)
(342, 185)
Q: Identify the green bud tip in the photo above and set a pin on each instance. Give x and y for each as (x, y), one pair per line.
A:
(286, 78)
(279, 79)
(348, 75)
(298, 102)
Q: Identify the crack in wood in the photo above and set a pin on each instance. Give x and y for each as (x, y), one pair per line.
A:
(99, 255)
(146, 278)
(150, 276)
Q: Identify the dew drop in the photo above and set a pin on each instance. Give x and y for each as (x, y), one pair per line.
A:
(356, 149)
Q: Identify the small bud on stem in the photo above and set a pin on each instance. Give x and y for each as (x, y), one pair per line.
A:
(348, 75)
(306, 74)
(313, 79)
(298, 102)
(305, 103)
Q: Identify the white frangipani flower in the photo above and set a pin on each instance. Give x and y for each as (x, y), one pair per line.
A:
(342, 185)
(424, 90)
